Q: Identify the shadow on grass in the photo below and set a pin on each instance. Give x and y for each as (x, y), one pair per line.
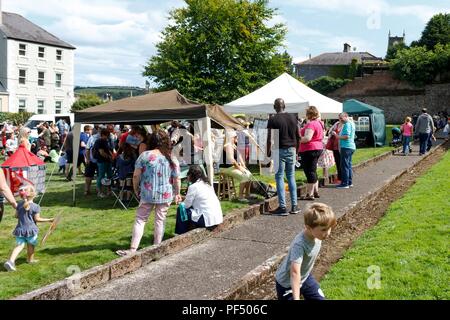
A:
(122, 243)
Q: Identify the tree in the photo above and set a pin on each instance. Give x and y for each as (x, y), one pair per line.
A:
(394, 49)
(86, 100)
(415, 65)
(218, 50)
(436, 31)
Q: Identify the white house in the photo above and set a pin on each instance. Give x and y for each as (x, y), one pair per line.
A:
(36, 68)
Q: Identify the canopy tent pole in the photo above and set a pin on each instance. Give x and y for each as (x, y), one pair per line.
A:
(76, 147)
(208, 147)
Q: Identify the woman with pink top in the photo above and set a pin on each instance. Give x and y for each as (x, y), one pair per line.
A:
(407, 132)
(311, 147)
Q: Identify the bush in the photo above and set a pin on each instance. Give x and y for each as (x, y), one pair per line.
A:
(15, 117)
(86, 100)
(420, 66)
(326, 85)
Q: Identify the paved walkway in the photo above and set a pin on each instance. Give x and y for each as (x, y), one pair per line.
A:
(207, 269)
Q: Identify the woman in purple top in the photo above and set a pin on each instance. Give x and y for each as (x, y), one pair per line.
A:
(156, 183)
(311, 147)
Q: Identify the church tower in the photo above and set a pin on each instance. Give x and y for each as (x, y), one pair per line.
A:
(395, 40)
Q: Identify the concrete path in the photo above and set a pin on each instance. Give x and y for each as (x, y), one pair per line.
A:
(207, 269)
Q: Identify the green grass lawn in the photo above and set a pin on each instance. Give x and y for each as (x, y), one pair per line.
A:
(87, 236)
(410, 246)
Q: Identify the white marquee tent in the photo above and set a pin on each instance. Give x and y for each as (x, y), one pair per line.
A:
(295, 94)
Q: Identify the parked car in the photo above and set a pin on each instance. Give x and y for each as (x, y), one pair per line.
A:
(35, 120)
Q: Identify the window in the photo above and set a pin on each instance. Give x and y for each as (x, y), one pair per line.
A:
(59, 55)
(40, 107)
(22, 49)
(22, 105)
(22, 76)
(41, 78)
(58, 106)
(41, 52)
(362, 124)
(58, 80)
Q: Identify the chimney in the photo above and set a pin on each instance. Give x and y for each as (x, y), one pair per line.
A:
(309, 54)
(347, 47)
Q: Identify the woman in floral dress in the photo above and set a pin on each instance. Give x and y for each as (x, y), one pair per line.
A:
(156, 183)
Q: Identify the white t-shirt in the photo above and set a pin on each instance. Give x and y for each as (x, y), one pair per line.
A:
(202, 200)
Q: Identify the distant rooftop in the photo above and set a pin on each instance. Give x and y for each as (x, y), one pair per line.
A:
(339, 58)
(17, 27)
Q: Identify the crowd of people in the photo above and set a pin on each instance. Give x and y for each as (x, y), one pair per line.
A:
(146, 167)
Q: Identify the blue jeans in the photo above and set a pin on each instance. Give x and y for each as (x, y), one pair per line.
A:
(406, 141)
(104, 169)
(310, 290)
(346, 166)
(286, 161)
(423, 138)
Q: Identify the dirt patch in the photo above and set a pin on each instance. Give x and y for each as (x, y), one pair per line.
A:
(354, 224)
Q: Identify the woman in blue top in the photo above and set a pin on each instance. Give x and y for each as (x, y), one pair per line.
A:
(155, 182)
(26, 231)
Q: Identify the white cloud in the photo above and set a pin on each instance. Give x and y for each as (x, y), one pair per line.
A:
(114, 38)
(369, 7)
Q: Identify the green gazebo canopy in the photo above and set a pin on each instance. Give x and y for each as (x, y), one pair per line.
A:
(376, 133)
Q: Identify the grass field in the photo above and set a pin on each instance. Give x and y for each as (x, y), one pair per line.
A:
(409, 248)
(88, 235)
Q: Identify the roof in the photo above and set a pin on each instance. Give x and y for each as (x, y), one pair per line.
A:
(17, 27)
(354, 106)
(297, 97)
(155, 108)
(339, 58)
(22, 158)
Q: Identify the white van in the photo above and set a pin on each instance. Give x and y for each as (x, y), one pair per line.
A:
(35, 120)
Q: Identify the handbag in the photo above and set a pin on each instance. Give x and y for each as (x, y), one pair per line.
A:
(330, 142)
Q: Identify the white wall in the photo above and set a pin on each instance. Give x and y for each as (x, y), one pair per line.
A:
(31, 92)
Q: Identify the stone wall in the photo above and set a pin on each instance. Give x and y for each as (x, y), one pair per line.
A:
(398, 99)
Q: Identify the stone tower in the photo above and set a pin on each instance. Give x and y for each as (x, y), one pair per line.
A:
(395, 40)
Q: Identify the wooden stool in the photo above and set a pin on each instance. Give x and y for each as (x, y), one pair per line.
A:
(226, 188)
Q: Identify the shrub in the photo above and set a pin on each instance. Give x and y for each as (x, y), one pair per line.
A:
(326, 85)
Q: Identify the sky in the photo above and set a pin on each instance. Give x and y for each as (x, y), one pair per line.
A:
(115, 38)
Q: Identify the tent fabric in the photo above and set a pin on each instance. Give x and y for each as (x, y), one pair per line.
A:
(297, 98)
(377, 132)
(155, 108)
(22, 158)
(354, 106)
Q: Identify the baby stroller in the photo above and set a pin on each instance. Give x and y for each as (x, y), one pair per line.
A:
(396, 138)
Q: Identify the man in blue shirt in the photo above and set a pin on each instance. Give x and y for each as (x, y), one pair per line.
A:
(346, 148)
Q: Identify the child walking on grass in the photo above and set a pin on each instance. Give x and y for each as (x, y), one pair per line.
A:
(26, 231)
(294, 276)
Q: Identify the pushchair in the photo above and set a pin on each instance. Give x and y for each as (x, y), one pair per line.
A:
(396, 138)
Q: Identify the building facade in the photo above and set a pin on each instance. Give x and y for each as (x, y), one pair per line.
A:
(334, 64)
(36, 68)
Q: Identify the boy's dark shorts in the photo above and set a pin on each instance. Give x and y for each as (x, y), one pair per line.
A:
(69, 156)
(90, 170)
(310, 290)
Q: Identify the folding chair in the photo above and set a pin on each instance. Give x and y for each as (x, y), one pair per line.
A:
(119, 187)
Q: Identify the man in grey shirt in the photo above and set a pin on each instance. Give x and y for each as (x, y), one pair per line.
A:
(425, 128)
(294, 274)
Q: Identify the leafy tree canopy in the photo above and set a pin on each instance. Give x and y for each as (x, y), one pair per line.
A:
(436, 31)
(215, 51)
